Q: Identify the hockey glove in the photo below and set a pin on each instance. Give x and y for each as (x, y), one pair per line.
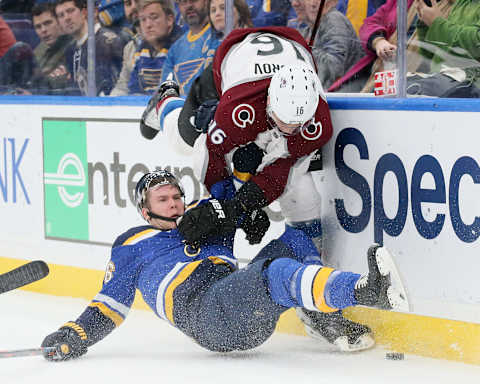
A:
(247, 158)
(215, 218)
(205, 114)
(220, 217)
(69, 341)
(255, 225)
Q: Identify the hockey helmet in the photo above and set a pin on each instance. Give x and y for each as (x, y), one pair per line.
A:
(154, 180)
(294, 93)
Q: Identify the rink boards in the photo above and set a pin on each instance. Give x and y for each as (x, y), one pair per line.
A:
(403, 173)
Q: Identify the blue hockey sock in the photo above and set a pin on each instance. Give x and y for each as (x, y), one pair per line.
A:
(313, 287)
(301, 244)
(313, 231)
(280, 277)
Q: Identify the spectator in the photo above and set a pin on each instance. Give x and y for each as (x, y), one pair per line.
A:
(299, 15)
(159, 31)
(51, 75)
(131, 14)
(266, 13)
(16, 62)
(450, 37)
(72, 16)
(336, 47)
(111, 14)
(357, 10)
(7, 39)
(378, 37)
(186, 57)
(216, 16)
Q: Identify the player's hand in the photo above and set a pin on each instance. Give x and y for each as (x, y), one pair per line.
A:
(215, 218)
(247, 158)
(255, 225)
(67, 343)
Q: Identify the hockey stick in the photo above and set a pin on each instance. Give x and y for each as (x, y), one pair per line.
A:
(317, 23)
(23, 275)
(28, 352)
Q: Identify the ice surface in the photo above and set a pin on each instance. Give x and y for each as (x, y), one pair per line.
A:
(147, 350)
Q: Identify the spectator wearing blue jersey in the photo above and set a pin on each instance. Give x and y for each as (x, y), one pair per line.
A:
(186, 57)
(199, 289)
(159, 31)
(128, 60)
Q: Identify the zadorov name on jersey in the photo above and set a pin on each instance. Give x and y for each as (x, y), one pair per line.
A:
(390, 162)
(266, 68)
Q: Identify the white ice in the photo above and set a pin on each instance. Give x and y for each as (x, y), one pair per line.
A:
(147, 350)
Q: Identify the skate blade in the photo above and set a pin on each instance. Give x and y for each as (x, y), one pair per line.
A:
(364, 342)
(396, 292)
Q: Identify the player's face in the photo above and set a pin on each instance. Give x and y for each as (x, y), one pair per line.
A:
(217, 15)
(131, 12)
(167, 201)
(47, 28)
(288, 129)
(194, 12)
(71, 19)
(154, 23)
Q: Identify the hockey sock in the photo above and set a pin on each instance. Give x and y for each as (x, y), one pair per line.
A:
(313, 287)
(168, 105)
(313, 230)
(301, 244)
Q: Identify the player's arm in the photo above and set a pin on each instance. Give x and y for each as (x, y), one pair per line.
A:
(106, 311)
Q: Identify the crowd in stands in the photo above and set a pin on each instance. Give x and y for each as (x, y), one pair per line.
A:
(140, 43)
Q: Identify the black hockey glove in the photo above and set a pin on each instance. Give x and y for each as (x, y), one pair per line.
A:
(69, 343)
(215, 218)
(220, 217)
(255, 225)
(247, 158)
(205, 114)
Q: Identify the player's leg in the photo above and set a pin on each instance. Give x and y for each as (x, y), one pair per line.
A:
(240, 310)
(301, 207)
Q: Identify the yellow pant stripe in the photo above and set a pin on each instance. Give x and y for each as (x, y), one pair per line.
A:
(318, 290)
(112, 315)
(243, 176)
(179, 279)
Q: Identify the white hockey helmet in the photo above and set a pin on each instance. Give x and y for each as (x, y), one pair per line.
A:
(294, 93)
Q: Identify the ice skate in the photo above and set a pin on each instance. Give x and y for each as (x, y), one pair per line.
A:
(381, 287)
(346, 335)
(150, 121)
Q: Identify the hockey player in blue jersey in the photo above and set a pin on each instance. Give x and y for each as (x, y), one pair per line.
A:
(200, 290)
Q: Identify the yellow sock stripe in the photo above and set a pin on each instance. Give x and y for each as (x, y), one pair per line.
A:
(243, 176)
(111, 314)
(318, 289)
(77, 328)
(139, 234)
(179, 279)
(356, 13)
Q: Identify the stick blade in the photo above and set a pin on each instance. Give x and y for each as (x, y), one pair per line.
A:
(23, 275)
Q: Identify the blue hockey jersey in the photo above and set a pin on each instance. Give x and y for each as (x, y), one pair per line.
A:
(186, 58)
